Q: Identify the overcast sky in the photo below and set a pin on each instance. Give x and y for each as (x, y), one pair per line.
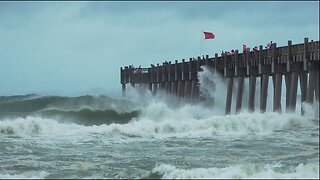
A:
(76, 48)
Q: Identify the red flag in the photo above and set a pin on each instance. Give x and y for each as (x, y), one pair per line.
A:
(208, 35)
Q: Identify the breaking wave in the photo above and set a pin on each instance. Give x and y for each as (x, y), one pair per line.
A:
(84, 110)
(276, 170)
(192, 127)
(88, 116)
(145, 115)
(36, 126)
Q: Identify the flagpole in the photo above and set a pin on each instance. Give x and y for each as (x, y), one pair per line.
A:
(201, 42)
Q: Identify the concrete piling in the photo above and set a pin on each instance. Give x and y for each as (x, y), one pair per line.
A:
(293, 91)
(239, 94)
(264, 92)
(252, 90)
(277, 93)
(229, 95)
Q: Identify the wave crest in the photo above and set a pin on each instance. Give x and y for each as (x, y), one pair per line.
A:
(85, 110)
(235, 125)
(31, 126)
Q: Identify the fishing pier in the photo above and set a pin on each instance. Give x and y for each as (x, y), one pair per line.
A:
(291, 63)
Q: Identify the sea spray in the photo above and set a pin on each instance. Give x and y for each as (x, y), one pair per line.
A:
(213, 88)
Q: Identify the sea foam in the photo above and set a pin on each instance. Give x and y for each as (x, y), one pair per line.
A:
(26, 175)
(164, 122)
(276, 170)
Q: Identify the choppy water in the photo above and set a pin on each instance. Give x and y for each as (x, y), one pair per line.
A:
(152, 137)
(186, 141)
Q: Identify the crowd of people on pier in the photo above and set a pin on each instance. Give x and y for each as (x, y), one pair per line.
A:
(228, 53)
(245, 49)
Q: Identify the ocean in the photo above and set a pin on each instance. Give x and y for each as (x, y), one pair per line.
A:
(158, 137)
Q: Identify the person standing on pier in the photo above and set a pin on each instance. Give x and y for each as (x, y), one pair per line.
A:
(269, 45)
(244, 48)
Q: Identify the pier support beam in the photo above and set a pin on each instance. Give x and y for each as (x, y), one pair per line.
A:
(239, 94)
(293, 91)
(277, 93)
(180, 89)
(288, 85)
(123, 90)
(311, 87)
(150, 87)
(197, 91)
(252, 90)
(264, 92)
(187, 88)
(174, 87)
(167, 86)
(193, 90)
(303, 88)
(229, 95)
(155, 88)
(317, 85)
(161, 86)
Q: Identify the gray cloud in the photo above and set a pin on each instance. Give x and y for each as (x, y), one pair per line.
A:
(70, 47)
